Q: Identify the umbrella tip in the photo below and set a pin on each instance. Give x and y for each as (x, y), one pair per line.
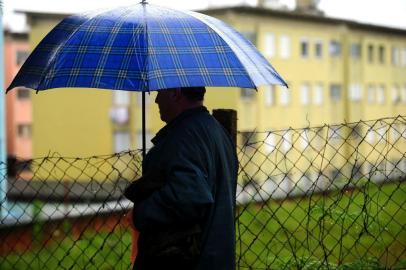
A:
(144, 2)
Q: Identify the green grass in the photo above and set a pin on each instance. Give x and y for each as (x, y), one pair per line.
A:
(102, 251)
(345, 229)
(363, 229)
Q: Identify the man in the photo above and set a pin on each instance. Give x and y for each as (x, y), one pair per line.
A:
(188, 223)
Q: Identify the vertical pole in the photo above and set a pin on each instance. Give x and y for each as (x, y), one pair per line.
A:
(228, 119)
(3, 164)
(144, 145)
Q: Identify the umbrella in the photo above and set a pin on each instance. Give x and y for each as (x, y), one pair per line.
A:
(144, 47)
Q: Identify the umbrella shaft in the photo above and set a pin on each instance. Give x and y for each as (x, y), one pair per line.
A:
(143, 126)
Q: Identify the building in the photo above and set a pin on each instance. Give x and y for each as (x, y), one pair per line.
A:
(18, 102)
(337, 70)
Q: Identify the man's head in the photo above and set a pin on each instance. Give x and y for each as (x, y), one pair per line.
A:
(172, 102)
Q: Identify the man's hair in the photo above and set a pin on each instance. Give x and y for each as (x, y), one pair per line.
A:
(193, 93)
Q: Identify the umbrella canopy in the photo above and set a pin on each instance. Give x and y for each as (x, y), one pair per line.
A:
(144, 47)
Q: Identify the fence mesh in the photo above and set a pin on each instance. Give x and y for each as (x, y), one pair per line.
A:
(328, 197)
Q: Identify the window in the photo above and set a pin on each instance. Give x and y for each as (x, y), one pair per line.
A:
(269, 45)
(251, 36)
(371, 93)
(270, 142)
(318, 49)
(304, 139)
(284, 48)
(355, 50)
(403, 94)
(370, 53)
(304, 48)
(318, 94)
(21, 57)
(334, 133)
(269, 95)
(395, 94)
(121, 141)
(284, 96)
(404, 57)
(23, 94)
(370, 137)
(121, 98)
(147, 98)
(335, 48)
(148, 137)
(382, 54)
(24, 130)
(305, 94)
(355, 93)
(286, 141)
(247, 94)
(395, 56)
(380, 94)
(335, 92)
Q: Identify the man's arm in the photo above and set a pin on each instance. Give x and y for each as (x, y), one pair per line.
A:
(183, 199)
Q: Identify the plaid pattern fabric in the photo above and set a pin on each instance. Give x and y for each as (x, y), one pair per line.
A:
(142, 48)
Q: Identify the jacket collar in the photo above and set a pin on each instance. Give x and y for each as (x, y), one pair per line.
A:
(171, 125)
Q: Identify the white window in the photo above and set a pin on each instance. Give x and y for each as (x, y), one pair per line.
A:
(335, 92)
(247, 94)
(334, 133)
(395, 132)
(286, 141)
(24, 130)
(304, 139)
(395, 94)
(147, 98)
(355, 50)
(318, 94)
(270, 142)
(370, 137)
(370, 53)
(304, 48)
(284, 96)
(318, 49)
(404, 57)
(148, 137)
(269, 49)
(305, 94)
(355, 93)
(335, 48)
(121, 141)
(284, 47)
(381, 134)
(121, 98)
(403, 94)
(371, 93)
(269, 95)
(380, 94)
(395, 56)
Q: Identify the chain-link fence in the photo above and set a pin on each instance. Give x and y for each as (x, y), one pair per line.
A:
(328, 197)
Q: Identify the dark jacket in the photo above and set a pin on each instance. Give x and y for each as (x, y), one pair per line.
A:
(199, 164)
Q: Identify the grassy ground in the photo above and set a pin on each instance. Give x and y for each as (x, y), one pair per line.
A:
(357, 230)
(364, 226)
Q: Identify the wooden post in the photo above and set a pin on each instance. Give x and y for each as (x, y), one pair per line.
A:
(228, 119)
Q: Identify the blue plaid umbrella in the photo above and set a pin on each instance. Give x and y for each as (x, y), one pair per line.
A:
(142, 48)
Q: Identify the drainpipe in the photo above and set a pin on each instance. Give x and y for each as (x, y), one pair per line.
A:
(3, 164)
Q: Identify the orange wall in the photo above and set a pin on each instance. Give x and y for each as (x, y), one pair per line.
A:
(17, 111)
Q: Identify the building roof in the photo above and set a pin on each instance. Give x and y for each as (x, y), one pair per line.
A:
(300, 16)
(261, 11)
